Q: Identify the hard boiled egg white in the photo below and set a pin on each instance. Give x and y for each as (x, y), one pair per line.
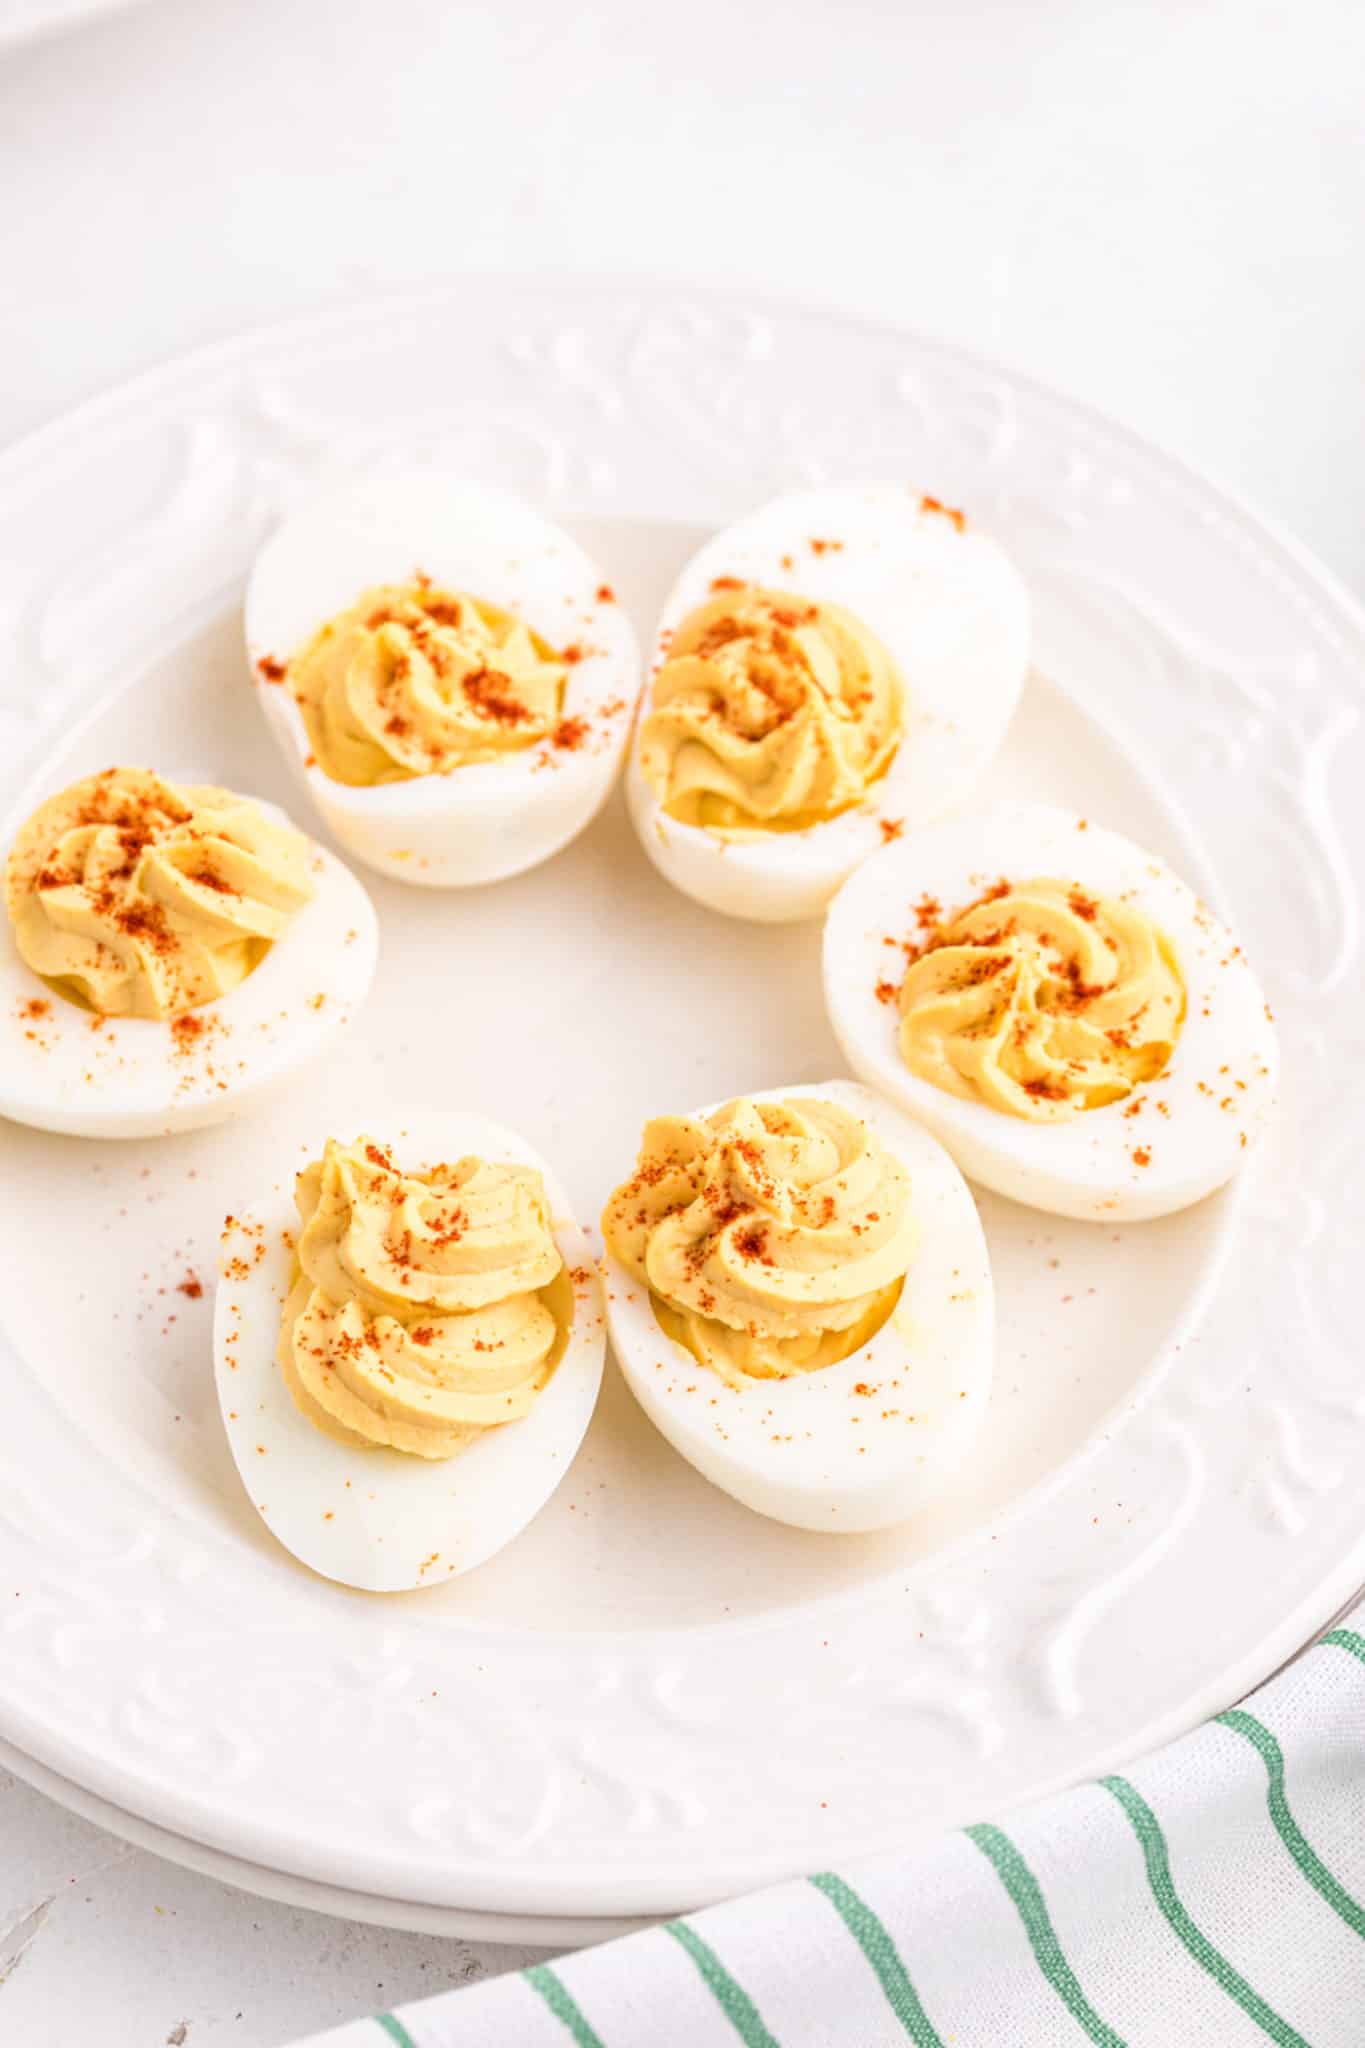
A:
(487, 819)
(864, 1443)
(1194, 1124)
(63, 1068)
(953, 613)
(379, 1519)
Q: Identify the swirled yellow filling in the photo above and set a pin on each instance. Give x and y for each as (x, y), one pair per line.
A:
(1042, 1001)
(426, 1307)
(416, 680)
(771, 713)
(774, 1237)
(138, 897)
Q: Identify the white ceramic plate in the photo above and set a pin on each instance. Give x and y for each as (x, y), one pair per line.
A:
(653, 1698)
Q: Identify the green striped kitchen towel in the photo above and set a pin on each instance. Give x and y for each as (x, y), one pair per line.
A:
(1212, 1896)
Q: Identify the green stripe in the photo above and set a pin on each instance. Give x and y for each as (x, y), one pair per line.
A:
(1288, 1829)
(880, 1950)
(733, 2001)
(542, 1978)
(1148, 1831)
(395, 2029)
(1023, 1888)
(1347, 1639)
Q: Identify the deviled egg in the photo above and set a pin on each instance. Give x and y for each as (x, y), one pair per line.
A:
(408, 1355)
(448, 674)
(835, 669)
(800, 1298)
(172, 953)
(1058, 1008)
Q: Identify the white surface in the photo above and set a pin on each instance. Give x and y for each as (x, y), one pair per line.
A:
(1148, 206)
(23, 21)
(1152, 205)
(104, 1943)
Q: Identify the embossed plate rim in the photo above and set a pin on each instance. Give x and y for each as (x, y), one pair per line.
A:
(663, 1883)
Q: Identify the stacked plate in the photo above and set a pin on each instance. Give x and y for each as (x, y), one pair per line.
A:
(653, 1697)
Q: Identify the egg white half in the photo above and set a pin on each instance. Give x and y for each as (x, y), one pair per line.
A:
(62, 1068)
(381, 1520)
(491, 818)
(1194, 1125)
(815, 1451)
(952, 611)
